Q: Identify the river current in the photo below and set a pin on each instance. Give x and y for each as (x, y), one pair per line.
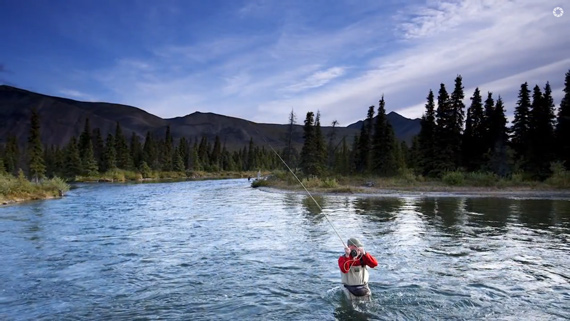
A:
(221, 250)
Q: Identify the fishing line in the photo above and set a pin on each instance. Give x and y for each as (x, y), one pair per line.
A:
(306, 190)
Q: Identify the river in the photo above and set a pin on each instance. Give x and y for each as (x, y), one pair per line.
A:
(221, 250)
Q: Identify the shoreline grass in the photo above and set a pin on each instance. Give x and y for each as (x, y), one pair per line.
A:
(122, 176)
(20, 189)
(450, 182)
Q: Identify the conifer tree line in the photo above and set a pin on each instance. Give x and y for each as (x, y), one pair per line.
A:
(91, 154)
(375, 150)
(453, 137)
(539, 134)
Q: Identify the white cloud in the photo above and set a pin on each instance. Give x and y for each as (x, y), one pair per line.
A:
(75, 94)
(317, 79)
(443, 16)
(523, 45)
(341, 71)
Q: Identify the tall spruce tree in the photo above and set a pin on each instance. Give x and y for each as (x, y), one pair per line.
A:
(541, 132)
(331, 146)
(98, 147)
(289, 152)
(84, 138)
(251, 162)
(216, 155)
(184, 150)
(473, 149)
(72, 161)
(123, 159)
(178, 161)
(365, 142)
(136, 150)
(384, 160)
(521, 127)
(414, 155)
(457, 119)
(11, 155)
(498, 135)
(110, 154)
(563, 125)
(194, 160)
(445, 141)
(150, 152)
(427, 138)
(88, 162)
(85, 145)
(309, 152)
(59, 162)
(205, 158)
(166, 153)
(35, 150)
(321, 147)
(488, 141)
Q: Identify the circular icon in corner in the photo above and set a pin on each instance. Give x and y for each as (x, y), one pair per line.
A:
(558, 12)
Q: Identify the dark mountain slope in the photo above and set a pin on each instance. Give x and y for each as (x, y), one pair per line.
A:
(63, 118)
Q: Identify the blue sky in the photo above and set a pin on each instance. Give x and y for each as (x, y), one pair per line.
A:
(258, 60)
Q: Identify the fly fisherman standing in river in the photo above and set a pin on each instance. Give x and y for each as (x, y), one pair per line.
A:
(354, 273)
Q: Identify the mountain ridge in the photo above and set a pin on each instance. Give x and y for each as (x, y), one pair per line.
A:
(62, 118)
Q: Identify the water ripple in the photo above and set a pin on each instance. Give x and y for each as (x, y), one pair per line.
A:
(220, 250)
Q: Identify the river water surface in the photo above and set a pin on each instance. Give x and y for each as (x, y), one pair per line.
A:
(221, 250)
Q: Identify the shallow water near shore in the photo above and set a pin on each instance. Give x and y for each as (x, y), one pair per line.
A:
(221, 250)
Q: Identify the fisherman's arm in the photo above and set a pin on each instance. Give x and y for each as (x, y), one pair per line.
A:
(343, 264)
(369, 260)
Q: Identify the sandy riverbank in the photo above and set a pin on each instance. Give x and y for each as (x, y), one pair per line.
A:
(431, 191)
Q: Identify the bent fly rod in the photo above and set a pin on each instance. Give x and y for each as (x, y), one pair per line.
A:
(306, 190)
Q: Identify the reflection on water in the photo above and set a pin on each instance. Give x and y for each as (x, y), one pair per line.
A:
(220, 250)
(451, 213)
(380, 208)
(314, 204)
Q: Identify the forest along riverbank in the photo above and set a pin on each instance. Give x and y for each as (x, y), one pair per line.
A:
(398, 187)
(433, 192)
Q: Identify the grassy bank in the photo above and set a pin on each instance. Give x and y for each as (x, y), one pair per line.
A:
(18, 189)
(451, 181)
(119, 175)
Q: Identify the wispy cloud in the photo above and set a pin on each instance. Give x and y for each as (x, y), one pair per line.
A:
(76, 95)
(259, 59)
(437, 17)
(520, 42)
(317, 79)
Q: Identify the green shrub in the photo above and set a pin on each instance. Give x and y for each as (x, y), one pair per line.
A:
(560, 176)
(329, 183)
(311, 182)
(482, 179)
(517, 178)
(56, 184)
(12, 187)
(453, 178)
(408, 176)
(129, 175)
(283, 175)
(7, 183)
